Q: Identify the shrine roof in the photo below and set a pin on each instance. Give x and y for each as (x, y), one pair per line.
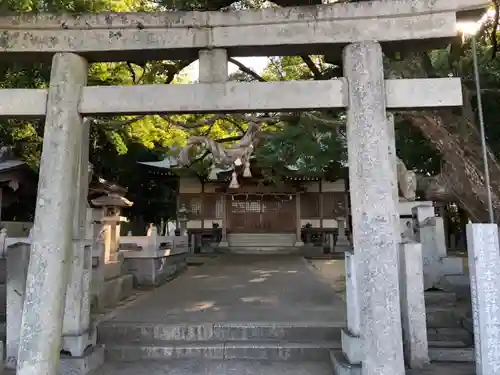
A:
(102, 186)
(8, 161)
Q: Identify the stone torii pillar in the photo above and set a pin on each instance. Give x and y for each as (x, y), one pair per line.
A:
(51, 249)
(373, 204)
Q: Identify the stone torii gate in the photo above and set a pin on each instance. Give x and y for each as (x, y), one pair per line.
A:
(361, 30)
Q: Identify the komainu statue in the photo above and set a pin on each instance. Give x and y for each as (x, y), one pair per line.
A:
(407, 181)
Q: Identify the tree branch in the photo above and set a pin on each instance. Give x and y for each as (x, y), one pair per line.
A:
(115, 124)
(427, 65)
(312, 66)
(246, 70)
(493, 36)
(132, 72)
(198, 159)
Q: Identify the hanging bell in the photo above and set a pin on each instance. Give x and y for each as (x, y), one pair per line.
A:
(246, 171)
(212, 175)
(238, 162)
(234, 182)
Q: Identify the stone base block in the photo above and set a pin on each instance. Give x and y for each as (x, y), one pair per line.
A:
(342, 366)
(77, 344)
(351, 346)
(452, 266)
(112, 269)
(92, 359)
(110, 292)
(154, 271)
(223, 244)
(299, 244)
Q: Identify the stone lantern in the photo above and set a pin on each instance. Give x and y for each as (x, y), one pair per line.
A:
(183, 217)
(111, 205)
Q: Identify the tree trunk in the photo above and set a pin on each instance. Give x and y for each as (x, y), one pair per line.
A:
(462, 175)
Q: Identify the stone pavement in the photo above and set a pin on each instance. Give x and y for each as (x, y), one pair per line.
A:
(241, 288)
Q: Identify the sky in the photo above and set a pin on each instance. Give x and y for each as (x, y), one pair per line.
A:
(258, 64)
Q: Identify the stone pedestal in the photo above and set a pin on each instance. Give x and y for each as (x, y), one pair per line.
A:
(373, 205)
(342, 243)
(484, 269)
(413, 314)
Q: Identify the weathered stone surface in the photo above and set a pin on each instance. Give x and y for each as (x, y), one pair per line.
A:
(220, 97)
(23, 102)
(233, 96)
(248, 33)
(373, 206)
(52, 233)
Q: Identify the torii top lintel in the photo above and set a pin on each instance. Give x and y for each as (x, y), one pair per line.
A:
(265, 32)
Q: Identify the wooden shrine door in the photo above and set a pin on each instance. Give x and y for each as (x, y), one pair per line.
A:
(262, 213)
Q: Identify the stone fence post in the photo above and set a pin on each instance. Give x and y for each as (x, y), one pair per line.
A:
(413, 314)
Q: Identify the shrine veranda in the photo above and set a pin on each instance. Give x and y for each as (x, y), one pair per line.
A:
(356, 33)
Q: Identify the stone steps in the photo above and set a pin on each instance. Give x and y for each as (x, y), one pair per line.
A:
(252, 249)
(445, 316)
(125, 332)
(248, 341)
(452, 354)
(439, 297)
(224, 341)
(447, 335)
(228, 350)
(110, 332)
(261, 240)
